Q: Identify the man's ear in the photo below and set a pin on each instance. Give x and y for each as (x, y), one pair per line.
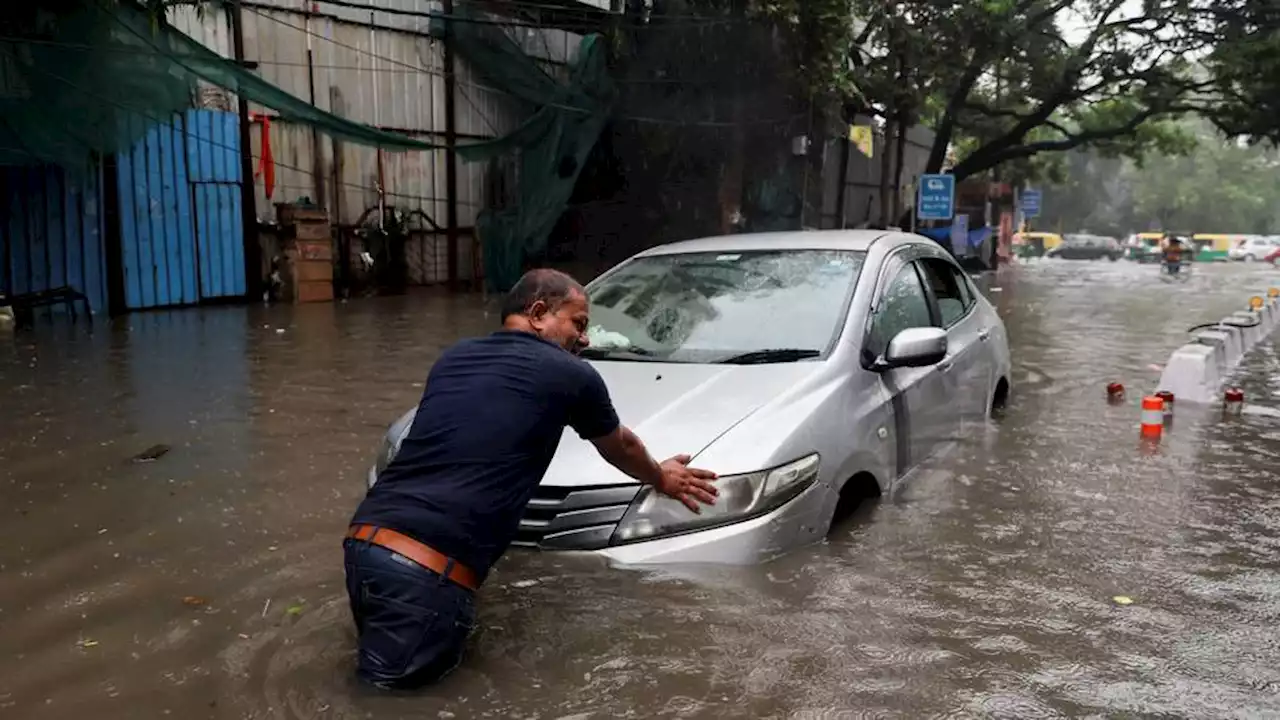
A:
(538, 311)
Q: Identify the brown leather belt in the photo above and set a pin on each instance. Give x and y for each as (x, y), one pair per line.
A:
(424, 555)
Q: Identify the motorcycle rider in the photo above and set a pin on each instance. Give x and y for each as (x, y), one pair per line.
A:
(1172, 254)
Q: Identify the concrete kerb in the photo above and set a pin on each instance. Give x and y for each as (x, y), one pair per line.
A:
(1192, 374)
(1195, 371)
(1223, 346)
(1253, 333)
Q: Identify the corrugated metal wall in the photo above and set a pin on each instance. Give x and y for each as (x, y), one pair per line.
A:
(390, 76)
(862, 184)
(385, 70)
(51, 232)
(387, 78)
(181, 235)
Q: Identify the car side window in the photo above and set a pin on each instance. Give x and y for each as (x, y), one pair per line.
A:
(903, 305)
(948, 288)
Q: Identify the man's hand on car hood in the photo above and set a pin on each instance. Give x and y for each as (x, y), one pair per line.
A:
(690, 486)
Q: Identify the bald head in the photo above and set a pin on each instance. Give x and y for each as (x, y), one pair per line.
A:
(549, 304)
(551, 287)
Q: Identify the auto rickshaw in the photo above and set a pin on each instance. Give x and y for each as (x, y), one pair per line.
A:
(1144, 247)
(1035, 244)
(1212, 247)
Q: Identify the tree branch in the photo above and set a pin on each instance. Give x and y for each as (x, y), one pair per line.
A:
(991, 112)
(985, 158)
(982, 55)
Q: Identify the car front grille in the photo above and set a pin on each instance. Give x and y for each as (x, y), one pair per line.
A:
(559, 518)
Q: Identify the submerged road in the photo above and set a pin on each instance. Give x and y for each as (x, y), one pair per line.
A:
(207, 582)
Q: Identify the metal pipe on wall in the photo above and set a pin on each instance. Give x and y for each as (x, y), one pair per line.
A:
(317, 150)
(451, 153)
(248, 195)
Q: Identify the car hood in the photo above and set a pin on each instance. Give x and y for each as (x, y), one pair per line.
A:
(674, 408)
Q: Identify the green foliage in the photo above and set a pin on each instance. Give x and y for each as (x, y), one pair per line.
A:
(1217, 186)
(1245, 67)
(820, 37)
(1005, 81)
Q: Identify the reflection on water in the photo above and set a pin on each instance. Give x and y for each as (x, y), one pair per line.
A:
(208, 583)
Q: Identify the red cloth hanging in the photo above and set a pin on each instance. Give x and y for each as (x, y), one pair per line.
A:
(266, 163)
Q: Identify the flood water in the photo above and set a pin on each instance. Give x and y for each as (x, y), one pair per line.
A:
(207, 583)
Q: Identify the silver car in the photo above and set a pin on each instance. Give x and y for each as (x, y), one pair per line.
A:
(809, 369)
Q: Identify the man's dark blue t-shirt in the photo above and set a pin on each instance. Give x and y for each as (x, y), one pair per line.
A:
(488, 425)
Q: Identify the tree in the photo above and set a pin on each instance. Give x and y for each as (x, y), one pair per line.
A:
(1218, 186)
(1245, 67)
(1006, 80)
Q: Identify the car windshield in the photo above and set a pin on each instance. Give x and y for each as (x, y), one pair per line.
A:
(707, 307)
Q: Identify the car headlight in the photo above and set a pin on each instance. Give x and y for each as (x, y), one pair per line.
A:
(390, 445)
(386, 451)
(653, 514)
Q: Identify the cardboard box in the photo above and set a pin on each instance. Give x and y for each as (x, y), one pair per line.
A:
(288, 214)
(314, 250)
(312, 231)
(313, 291)
(311, 271)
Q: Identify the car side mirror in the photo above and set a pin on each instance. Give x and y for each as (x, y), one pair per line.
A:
(914, 347)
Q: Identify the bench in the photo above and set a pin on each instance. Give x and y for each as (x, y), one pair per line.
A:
(24, 304)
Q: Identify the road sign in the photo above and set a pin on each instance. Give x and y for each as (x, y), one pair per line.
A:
(936, 197)
(960, 235)
(1031, 203)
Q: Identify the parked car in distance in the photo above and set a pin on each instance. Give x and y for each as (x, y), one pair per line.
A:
(1088, 247)
(810, 370)
(1251, 248)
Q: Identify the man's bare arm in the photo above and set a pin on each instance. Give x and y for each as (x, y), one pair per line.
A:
(625, 451)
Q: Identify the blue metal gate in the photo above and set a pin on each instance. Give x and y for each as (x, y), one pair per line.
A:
(181, 235)
(51, 231)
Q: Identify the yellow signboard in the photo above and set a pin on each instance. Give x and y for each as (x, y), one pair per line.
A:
(862, 138)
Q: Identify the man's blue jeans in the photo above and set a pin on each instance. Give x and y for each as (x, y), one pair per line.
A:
(411, 622)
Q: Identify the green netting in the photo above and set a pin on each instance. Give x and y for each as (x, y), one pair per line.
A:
(89, 76)
(552, 144)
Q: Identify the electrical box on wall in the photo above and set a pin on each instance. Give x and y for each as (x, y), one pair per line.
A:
(800, 145)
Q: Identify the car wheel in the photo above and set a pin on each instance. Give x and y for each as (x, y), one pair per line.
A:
(999, 400)
(1250, 258)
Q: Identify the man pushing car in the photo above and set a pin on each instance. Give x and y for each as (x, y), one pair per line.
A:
(449, 504)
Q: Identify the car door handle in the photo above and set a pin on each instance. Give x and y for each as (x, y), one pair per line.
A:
(983, 334)
(945, 366)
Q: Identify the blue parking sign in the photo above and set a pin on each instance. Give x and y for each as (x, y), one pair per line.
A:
(1031, 203)
(936, 197)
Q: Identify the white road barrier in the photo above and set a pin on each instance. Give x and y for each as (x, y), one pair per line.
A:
(1195, 372)
(1223, 345)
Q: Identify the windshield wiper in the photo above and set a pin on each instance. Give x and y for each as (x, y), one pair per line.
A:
(774, 355)
(616, 353)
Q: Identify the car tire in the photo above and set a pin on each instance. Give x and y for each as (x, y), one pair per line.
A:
(1250, 258)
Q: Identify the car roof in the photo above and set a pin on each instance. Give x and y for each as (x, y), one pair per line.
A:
(859, 240)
